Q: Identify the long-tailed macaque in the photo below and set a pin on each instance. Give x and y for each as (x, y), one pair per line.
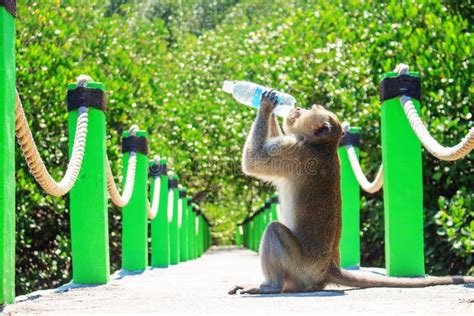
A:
(302, 253)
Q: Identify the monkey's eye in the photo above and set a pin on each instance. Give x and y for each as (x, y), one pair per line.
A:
(323, 130)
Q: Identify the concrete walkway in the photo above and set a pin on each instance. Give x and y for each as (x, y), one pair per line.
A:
(200, 287)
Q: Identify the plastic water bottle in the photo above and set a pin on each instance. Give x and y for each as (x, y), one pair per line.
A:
(250, 94)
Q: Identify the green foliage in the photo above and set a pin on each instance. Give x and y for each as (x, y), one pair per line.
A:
(455, 221)
(163, 65)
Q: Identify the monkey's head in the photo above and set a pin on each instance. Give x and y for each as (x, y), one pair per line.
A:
(316, 125)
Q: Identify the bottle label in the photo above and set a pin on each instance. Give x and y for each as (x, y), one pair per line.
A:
(257, 97)
(279, 99)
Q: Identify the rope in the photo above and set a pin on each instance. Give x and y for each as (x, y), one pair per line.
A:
(117, 199)
(180, 212)
(33, 158)
(170, 205)
(436, 149)
(153, 210)
(370, 187)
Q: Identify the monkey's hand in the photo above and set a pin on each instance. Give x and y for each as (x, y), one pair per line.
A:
(268, 102)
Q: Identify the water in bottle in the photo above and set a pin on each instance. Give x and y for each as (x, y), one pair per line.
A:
(250, 94)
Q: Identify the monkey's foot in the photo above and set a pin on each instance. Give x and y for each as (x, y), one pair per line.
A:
(234, 289)
(262, 289)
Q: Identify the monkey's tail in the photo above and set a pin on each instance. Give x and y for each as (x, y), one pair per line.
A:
(344, 277)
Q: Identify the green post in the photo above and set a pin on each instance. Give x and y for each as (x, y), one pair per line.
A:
(268, 210)
(200, 239)
(263, 223)
(206, 236)
(238, 235)
(196, 229)
(174, 228)
(262, 227)
(209, 237)
(257, 228)
(190, 226)
(88, 202)
(251, 234)
(196, 235)
(198, 223)
(264, 219)
(194, 232)
(202, 233)
(183, 227)
(273, 208)
(246, 234)
(160, 248)
(350, 191)
(191, 233)
(7, 156)
(403, 191)
(134, 214)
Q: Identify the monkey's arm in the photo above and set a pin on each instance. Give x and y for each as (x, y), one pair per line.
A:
(258, 133)
(268, 157)
(275, 129)
(264, 156)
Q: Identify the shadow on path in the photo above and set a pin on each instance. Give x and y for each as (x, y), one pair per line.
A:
(123, 273)
(304, 295)
(62, 289)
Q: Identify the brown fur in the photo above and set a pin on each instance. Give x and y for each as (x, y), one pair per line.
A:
(303, 253)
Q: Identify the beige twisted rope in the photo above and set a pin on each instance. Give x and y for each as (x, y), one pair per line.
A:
(370, 187)
(117, 199)
(170, 205)
(196, 225)
(366, 185)
(153, 209)
(33, 158)
(180, 212)
(278, 211)
(436, 149)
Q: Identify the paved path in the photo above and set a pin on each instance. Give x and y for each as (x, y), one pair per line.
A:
(200, 287)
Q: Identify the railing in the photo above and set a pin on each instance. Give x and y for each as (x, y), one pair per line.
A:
(249, 233)
(179, 230)
(403, 133)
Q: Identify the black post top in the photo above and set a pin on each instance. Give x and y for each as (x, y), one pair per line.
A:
(157, 170)
(137, 144)
(88, 97)
(9, 5)
(391, 87)
(350, 139)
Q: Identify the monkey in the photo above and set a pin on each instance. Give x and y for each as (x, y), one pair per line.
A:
(301, 254)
